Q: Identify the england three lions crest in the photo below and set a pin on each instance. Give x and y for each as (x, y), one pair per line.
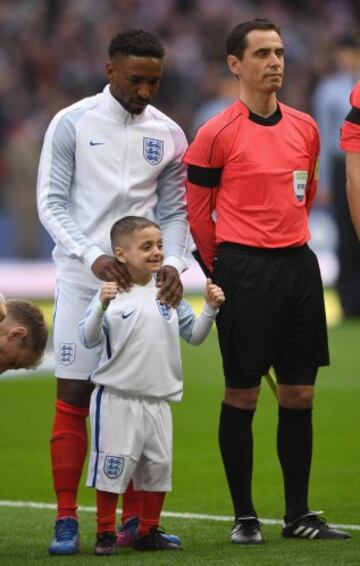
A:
(153, 150)
(113, 466)
(67, 352)
(164, 310)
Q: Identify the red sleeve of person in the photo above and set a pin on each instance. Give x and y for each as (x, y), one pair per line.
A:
(350, 131)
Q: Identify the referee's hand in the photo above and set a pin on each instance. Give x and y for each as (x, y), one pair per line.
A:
(108, 268)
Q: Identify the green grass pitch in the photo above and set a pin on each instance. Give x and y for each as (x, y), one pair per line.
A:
(199, 484)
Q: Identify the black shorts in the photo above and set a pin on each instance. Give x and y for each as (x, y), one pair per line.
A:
(273, 314)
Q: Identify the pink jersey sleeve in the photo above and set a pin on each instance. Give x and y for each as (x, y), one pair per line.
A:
(350, 130)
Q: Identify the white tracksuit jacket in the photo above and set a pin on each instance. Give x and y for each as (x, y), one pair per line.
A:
(100, 163)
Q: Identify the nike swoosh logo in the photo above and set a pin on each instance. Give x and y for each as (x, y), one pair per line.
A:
(96, 143)
(127, 314)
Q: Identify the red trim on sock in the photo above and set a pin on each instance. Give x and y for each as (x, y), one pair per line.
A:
(68, 453)
(131, 503)
(152, 505)
(106, 504)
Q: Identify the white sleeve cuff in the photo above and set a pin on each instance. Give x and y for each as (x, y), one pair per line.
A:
(180, 264)
(91, 254)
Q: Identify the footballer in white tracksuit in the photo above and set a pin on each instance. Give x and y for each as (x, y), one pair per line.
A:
(139, 372)
(98, 164)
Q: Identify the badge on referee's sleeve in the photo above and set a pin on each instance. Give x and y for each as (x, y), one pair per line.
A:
(316, 172)
(299, 183)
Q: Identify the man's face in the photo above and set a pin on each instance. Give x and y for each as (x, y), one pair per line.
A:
(134, 80)
(14, 356)
(261, 68)
(347, 59)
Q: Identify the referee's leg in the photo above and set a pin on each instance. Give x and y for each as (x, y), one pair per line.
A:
(295, 452)
(236, 446)
(294, 445)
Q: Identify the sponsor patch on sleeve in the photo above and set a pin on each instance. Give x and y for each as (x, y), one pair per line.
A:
(299, 183)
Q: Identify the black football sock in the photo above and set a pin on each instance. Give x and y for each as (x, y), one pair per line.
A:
(236, 445)
(294, 444)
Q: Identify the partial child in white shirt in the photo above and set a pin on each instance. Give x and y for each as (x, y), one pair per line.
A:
(139, 373)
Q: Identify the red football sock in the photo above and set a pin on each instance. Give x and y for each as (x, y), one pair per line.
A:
(131, 503)
(151, 510)
(68, 452)
(106, 504)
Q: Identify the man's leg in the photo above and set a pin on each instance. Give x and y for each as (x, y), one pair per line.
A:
(294, 444)
(68, 453)
(236, 446)
(69, 442)
(249, 324)
(295, 453)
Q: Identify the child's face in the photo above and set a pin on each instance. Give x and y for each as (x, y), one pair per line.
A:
(142, 252)
(15, 356)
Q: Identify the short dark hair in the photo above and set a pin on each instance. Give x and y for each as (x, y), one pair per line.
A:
(347, 41)
(127, 225)
(236, 41)
(30, 316)
(136, 42)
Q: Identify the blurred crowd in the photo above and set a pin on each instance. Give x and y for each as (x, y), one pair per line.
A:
(53, 52)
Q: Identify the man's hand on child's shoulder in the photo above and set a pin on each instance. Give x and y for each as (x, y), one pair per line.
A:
(108, 292)
(214, 295)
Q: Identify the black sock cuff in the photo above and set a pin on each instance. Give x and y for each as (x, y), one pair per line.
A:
(235, 414)
(286, 413)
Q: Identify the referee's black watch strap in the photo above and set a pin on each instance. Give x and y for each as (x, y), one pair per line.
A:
(198, 258)
(206, 177)
(353, 116)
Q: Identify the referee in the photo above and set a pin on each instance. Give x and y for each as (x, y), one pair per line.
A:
(255, 166)
(350, 143)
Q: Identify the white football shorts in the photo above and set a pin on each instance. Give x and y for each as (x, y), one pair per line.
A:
(72, 359)
(131, 439)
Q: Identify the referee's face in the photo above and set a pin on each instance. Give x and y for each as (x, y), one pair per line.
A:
(261, 68)
(134, 80)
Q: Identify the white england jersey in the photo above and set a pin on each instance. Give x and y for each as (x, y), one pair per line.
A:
(100, 163)
(140, 337)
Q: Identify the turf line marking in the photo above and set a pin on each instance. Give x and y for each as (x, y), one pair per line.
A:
(196, 516)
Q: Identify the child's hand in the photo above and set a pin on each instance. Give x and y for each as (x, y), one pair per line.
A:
(108, 293)
(213, 294)
(3, 312)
